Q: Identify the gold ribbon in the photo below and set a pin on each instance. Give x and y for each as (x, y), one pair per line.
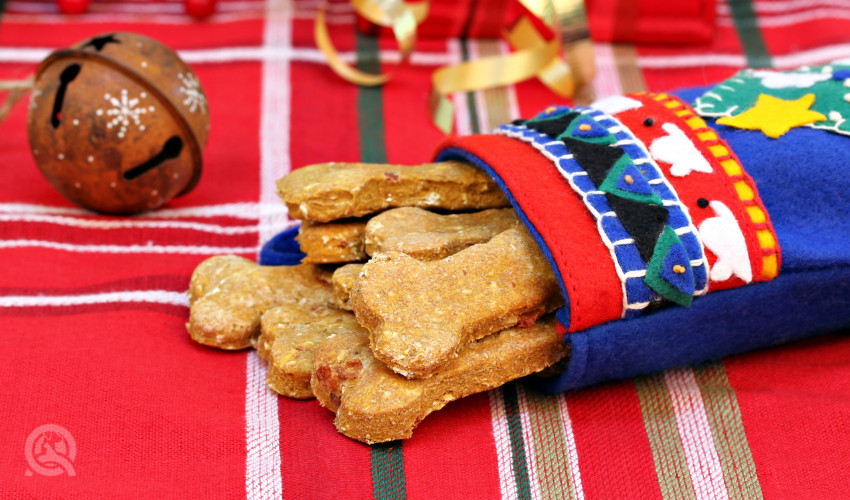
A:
(401, 17)
(534, 56)
(556, 74)
(16, 89)
(488, 72)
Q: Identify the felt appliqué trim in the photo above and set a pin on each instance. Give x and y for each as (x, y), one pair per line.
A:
(677, 149)
(726, 182)
(679, 219)
(628, 263)
(724, 238)
(829, 86)
(775, 116)
(669, 272)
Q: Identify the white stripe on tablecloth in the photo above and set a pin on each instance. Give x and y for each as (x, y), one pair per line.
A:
(249, 53)
(140, 249)
(786, 61)
(692, 61)
(275, 113)
(125, 18)
(108, 224)
(262, 434)
(463, 125)
(473, 48)
(263, 467)
(695, 433)
(572, 450)
(780, 6)
(306, 10)
(607, 81)
(152, 296)
(237, 210)
(793, 18)
(528, 442)
(502, 440)
(604, 58)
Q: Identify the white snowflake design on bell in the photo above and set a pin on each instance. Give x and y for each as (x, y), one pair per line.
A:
(124, 111)
(191, 90)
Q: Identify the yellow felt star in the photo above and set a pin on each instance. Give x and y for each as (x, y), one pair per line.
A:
(775, 116)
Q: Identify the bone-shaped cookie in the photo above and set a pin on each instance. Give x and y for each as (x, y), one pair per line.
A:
(332, 191)
(332, 242)
(373, 404)
(343, 281)
(290, 335)
(229, 294)
(421, 313)
(426, 235)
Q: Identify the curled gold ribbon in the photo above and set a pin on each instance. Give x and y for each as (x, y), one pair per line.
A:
(401, 17)
(534, 56)
(556, 74)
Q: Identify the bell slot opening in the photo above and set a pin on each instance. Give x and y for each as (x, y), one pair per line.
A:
(170, 150)
(65, 78)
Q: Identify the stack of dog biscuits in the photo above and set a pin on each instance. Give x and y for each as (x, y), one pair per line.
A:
(419, 286)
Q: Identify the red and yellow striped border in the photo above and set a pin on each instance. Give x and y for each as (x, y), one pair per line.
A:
(742, 184)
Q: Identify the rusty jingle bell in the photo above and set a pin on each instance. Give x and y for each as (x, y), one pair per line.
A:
(117, 123)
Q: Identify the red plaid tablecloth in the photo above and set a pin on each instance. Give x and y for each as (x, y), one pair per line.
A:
(93, 308)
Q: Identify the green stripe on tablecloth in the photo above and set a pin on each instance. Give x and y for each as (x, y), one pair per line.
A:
(370, 104)
(474, 125)
(659, 418)
(550, 446)
(519, 462)
(746, 23)
(387, 458)
(496, 99)
(388, 471)
(730, 438)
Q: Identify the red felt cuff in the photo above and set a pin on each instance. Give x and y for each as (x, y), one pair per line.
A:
(560, 218)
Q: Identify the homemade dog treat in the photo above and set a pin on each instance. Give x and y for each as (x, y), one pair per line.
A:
(332, 242)
(332, 191)
(290, 334)
(421, 313)
(343, 281)
(229, 294)
(211, 271)
(373, 404)
(425, 235)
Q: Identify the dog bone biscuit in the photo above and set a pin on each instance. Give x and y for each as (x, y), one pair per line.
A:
(211, 271)
(425, 235)
(420, 313)
(332, 242)
(343, 281)
(290, 335)
(231, 295)
(374, 404)
(331, 191)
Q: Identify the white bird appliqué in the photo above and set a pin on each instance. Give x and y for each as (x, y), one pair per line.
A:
(724, 238)
(616, 104)
(677, 149)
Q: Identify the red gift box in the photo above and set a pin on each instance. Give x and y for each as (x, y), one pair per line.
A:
(623, 21)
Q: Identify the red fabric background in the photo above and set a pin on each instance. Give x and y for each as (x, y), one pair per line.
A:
(154, 415)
